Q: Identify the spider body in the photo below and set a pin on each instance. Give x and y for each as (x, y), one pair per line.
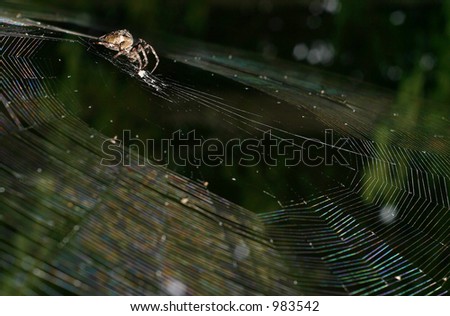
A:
(123, 42)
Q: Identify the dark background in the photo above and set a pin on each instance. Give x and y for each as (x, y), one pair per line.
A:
(400, 44)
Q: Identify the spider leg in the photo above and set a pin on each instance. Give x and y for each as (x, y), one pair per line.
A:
(138, 57)
(156, 57)
(144, 56)
(150, 47)
(121, 52)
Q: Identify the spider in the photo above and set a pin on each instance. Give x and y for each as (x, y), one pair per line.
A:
(123, 42)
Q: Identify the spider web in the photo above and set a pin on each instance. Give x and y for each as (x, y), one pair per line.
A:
(377, 226)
